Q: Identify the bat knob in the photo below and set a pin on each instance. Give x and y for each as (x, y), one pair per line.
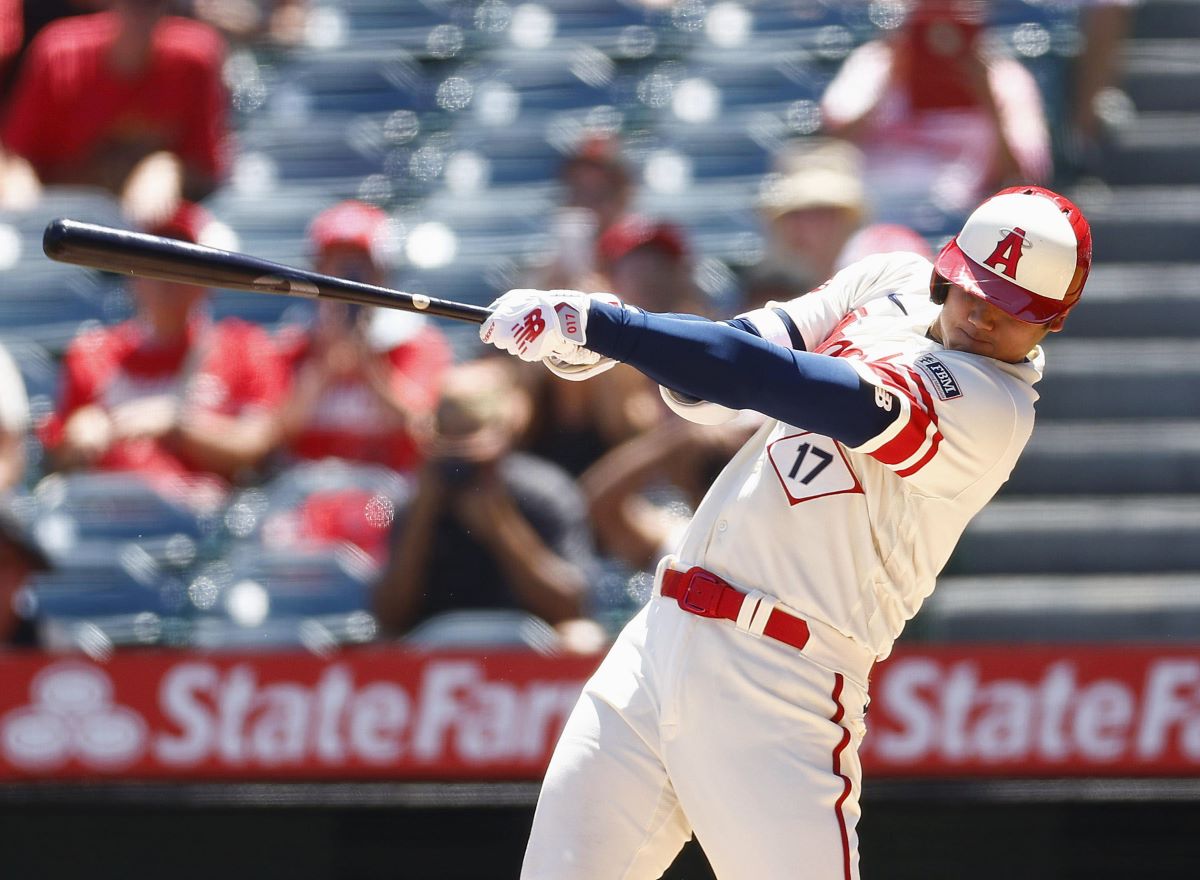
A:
(54, 239)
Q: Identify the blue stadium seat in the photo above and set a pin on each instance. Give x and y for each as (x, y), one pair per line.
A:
(100, 578)
(75, 509)
(483, 628)
(254, 584)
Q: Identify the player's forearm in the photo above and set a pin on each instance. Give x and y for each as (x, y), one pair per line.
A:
(720, 363)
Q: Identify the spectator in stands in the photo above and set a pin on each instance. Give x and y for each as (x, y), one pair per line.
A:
(882, 238)
(489, 527)
(769, 281)
(14, 423)
(814, 208)
(171, 394)
(362, 377)
(646, 263)
(597, 190)
(130, 100)
(20, 556)
(281, 22)
(942, 119)
(811, 206)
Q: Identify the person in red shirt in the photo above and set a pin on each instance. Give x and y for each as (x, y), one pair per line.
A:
(362, 377)
(170, 393)
(130, 100)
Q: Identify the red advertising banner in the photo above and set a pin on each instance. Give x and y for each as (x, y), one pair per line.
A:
(371, 714)
(388, 714)
(1017, 711)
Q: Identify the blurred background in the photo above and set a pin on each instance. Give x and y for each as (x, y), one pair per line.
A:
(304, 590)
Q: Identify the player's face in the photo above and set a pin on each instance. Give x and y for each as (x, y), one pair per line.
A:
(968, 323)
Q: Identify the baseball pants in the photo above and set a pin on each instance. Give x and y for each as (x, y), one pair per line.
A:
(692, 725)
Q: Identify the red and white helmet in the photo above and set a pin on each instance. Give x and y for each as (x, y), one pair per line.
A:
(1027, 250)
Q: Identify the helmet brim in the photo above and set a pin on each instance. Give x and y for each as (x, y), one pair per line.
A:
(978, 280)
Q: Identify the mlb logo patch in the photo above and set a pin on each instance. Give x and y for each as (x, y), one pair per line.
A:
(944, 383)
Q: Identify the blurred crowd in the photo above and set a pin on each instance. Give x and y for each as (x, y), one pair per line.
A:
(457, 483)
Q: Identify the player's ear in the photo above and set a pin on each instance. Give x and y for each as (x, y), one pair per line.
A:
(1057, 324)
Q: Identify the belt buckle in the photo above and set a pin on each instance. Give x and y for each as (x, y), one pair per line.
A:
(702, 593)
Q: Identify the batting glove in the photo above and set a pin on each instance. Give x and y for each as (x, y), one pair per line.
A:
(536, 325)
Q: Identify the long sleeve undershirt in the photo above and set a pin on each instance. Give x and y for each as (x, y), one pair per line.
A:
(734, 367)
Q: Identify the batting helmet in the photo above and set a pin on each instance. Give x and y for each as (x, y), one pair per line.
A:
(1027, 250)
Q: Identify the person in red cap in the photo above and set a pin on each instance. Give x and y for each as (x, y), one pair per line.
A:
(130, 100)
(362, 377)
(897, 398)
(646, 262)
(170, 394)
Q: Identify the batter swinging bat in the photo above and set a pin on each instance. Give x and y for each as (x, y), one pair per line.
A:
(168, 259)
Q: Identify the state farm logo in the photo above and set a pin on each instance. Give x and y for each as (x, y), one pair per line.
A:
(967, 712)
(72, 716)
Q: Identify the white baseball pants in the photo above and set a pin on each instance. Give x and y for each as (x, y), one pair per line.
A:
(692, 725)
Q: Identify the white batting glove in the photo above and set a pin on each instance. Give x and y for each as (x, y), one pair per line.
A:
(538, 324)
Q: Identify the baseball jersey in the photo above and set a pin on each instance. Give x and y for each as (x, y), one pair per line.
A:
(855, 536)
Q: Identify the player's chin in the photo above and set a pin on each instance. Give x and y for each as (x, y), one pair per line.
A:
(961, 340)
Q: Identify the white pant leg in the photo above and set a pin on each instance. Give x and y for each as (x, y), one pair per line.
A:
(607, 810)
(768, 779)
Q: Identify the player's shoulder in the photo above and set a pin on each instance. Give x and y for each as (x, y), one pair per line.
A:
(900, 274)
(964, 381)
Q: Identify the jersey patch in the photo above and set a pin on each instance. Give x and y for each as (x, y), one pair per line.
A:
(944, 383)
(811, 466)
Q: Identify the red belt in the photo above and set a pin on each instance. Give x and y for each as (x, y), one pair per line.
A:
(704, 594)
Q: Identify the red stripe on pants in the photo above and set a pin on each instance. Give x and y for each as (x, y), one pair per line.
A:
(837, 769)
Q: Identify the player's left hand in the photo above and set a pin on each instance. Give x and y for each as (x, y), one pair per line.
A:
(536, 324)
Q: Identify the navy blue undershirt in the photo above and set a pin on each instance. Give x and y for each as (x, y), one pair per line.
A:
(729, 364)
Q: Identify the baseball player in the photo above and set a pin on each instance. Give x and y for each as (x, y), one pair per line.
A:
(899, 396)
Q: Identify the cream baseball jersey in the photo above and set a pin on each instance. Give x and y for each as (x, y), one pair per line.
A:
(855, 537)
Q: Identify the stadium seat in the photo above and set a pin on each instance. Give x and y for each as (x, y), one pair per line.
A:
(482, 629)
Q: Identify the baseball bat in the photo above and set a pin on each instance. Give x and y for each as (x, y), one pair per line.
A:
(169, 259)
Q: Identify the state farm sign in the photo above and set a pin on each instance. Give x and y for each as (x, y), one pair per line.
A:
(374, 714)
(1041, 711)
(387, 714)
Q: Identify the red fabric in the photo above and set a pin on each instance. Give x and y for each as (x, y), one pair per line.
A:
(350, 223)
(68, 102)
(349, 422)
(716, 598)
(239, 369)
(12, 29)
(356, 516)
